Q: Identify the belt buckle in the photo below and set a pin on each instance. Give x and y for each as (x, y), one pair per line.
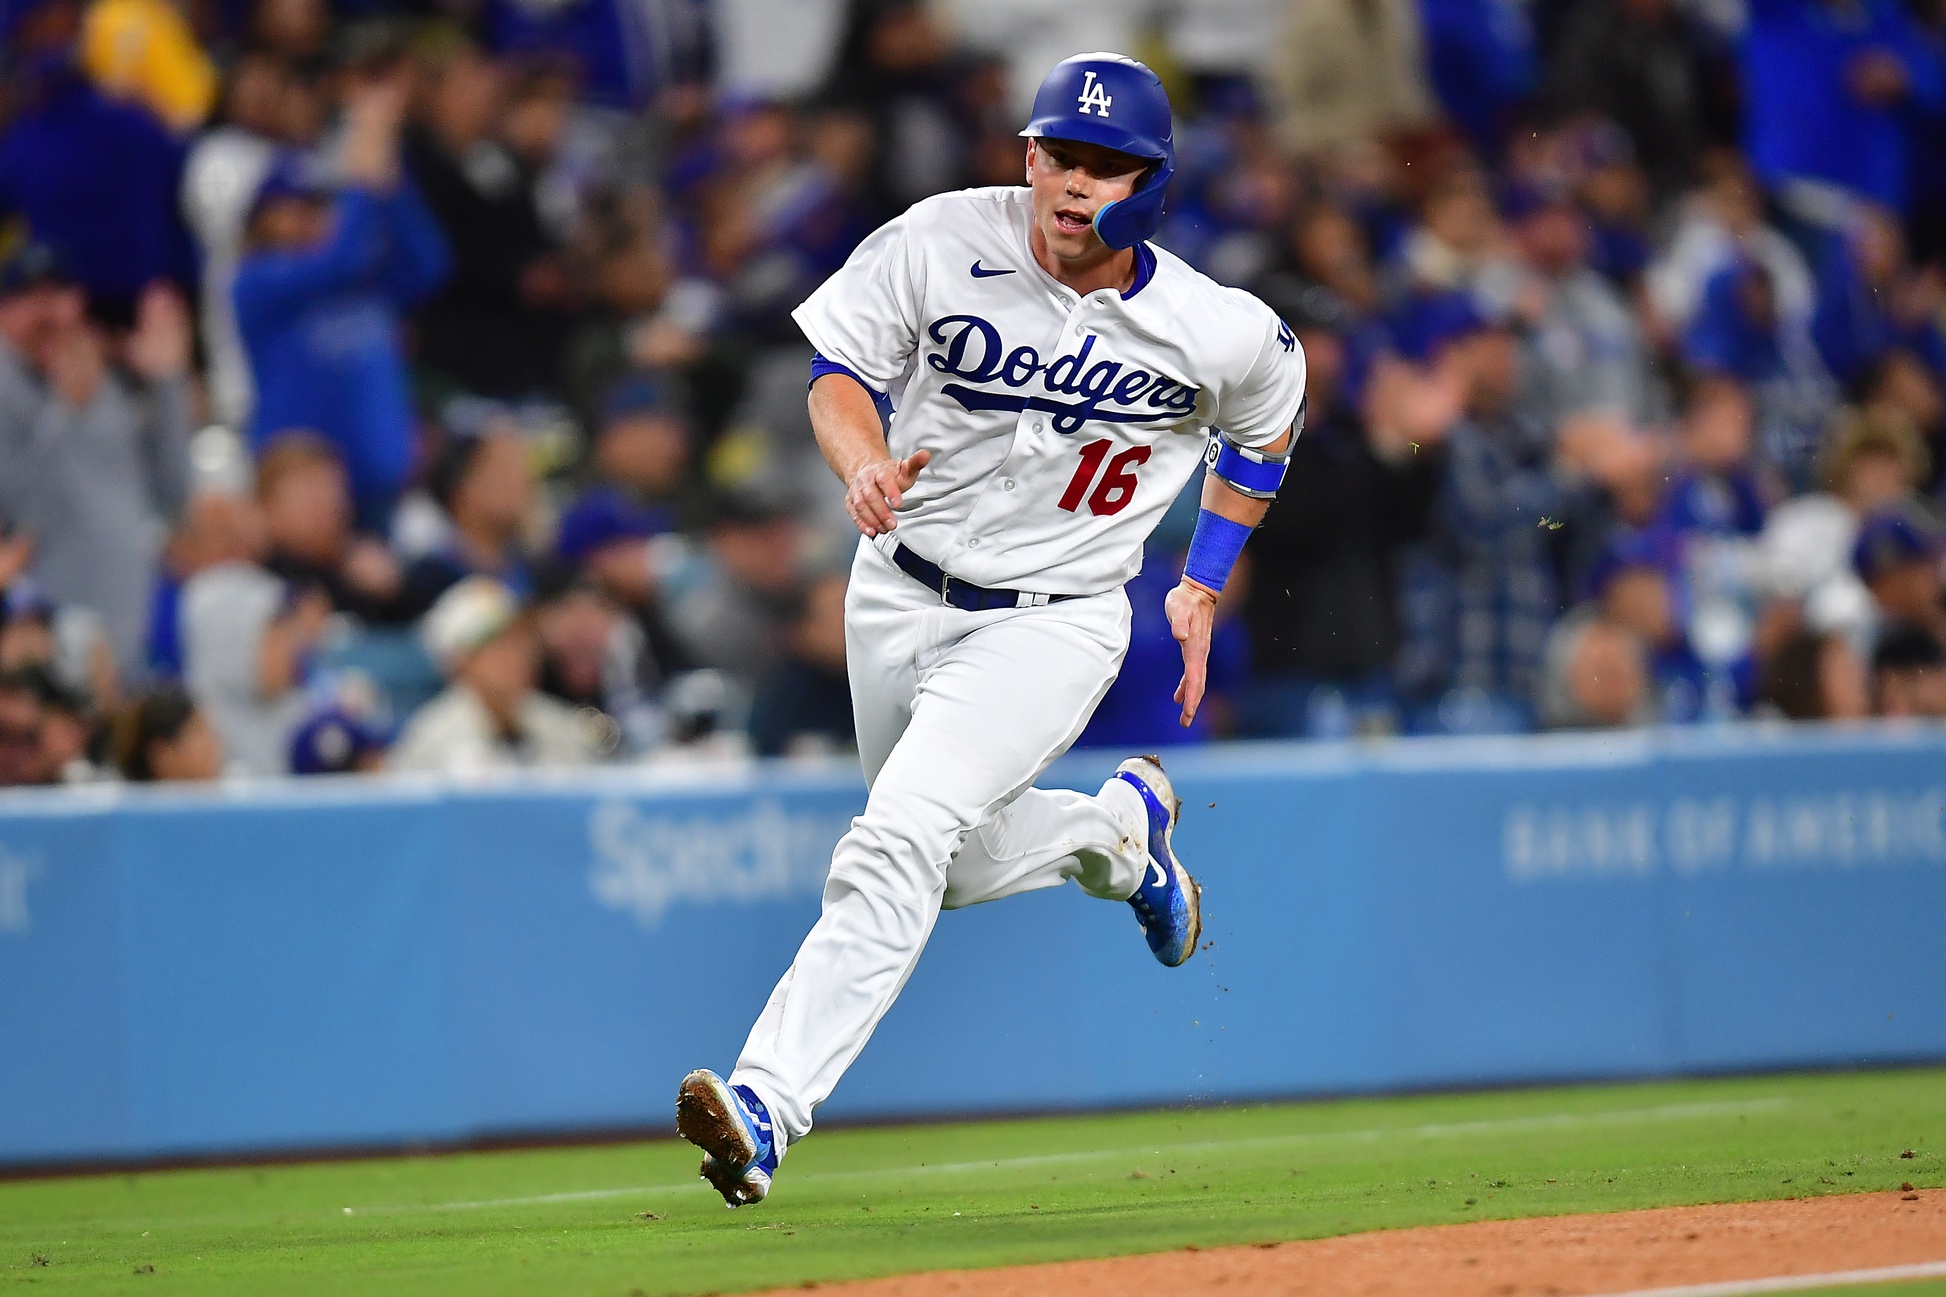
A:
(945, 590)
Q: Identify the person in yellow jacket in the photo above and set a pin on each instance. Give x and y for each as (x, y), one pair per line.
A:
(144, 50)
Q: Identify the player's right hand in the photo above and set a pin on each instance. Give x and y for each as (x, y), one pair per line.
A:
(878, 487)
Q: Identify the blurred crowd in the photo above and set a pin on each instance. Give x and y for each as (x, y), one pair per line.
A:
(411, 384)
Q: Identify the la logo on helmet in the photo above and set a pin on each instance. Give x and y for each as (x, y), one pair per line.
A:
(1093, 95)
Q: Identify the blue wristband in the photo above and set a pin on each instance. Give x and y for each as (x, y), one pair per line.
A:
(1214, 548)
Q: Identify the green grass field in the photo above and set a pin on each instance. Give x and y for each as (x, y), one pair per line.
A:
(625, 1218)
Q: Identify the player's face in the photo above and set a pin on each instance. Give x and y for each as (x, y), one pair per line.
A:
(1071, 182)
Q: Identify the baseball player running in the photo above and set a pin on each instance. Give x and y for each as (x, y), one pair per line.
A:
(1055, 379)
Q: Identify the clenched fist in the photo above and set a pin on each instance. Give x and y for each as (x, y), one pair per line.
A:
(878, 487)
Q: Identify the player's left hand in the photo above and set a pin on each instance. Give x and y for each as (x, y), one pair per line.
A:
(1191, 608)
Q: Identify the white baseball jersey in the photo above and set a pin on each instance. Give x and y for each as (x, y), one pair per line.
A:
(1061, 426)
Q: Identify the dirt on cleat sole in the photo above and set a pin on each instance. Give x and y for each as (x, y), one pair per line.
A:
(735, 1187)
(706, 1117)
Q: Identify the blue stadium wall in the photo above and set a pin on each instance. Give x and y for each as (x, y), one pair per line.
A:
(347, 964)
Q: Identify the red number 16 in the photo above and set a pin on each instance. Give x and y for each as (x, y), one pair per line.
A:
(1117, 485)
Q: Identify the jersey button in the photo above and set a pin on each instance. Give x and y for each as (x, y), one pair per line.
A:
(1008, 484)
(974, 543)
(1040, 425)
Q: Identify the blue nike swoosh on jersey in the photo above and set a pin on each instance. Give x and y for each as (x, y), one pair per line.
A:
(981, 272)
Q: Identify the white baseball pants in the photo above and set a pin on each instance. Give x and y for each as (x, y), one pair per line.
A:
(958, 713)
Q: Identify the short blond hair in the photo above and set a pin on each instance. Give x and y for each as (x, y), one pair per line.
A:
(1859, 431)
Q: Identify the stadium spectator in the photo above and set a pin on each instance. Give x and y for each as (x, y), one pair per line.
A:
(164, 737)
(728, 600)
(1870, 302)
(642, 313)
(771, 222)
(1480, 56)
(485, 484)
(594, 656)
(26, 623)
(1715, 490)
(491, 716)
(1325, 250)
(336, 740)
(1897, 557)
(608, 540)
(1351, 72)
(804, 704)
(320, 291)
(94, 178)
(1585, 350)
(1458, 246)
(23, 760)
(1616, 194)
(69, 725)
(1594, 676)
(66, 725)
(93, 441)
(1719, 225)
(221, 525)
(643, 444)
(1712, 509)
(1742, 334)
(1833, 91)
(1498, 308)
(1909, 675)
(67, 643)
(306, 503)
(1632, 588)
(1027, 37)
(1899, 386)
(265, 104)
(498, 324)
(1224, 47)
(605, 535)
(1321, 604)
(1645, 65)
(292, 30)
(1485, 588)
(1813, 676)
(623, 54)
(146, 51)
(1873, 461)
(248, 637)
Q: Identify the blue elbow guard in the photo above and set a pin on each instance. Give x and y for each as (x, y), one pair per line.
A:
(1213, 549)
(1255, 473)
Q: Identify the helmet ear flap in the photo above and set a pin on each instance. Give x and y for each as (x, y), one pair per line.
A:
(1128, 221)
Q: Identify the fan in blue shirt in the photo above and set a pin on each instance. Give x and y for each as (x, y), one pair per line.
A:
(320, 294)
(1834, 90)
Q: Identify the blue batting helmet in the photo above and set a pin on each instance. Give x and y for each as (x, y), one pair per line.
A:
(1118, 103)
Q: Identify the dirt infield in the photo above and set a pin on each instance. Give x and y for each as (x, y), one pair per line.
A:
(1553, 1256)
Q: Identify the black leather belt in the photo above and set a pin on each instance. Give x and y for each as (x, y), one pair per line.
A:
(964, 595)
